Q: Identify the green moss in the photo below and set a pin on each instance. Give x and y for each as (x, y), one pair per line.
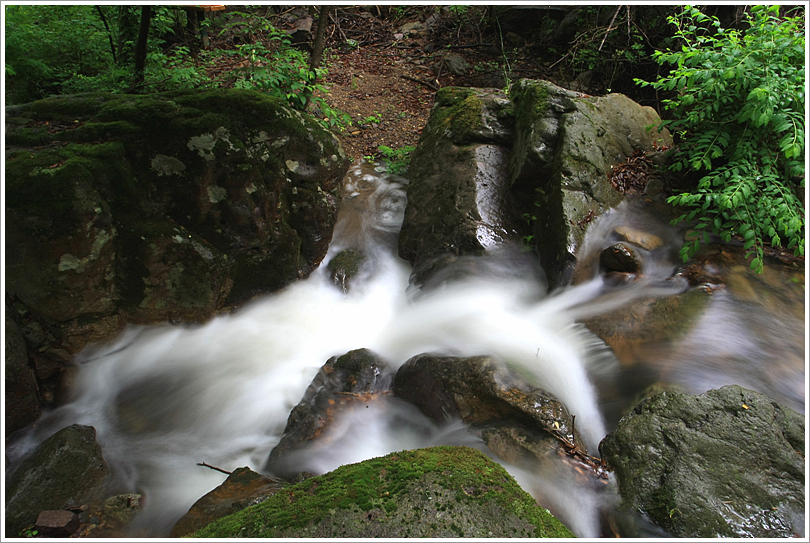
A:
(380, 482)
(531, 101)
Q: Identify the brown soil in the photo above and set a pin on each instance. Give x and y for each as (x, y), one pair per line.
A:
(386, 79)
(388, 82)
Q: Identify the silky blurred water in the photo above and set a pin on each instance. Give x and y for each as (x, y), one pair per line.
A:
(164, 398)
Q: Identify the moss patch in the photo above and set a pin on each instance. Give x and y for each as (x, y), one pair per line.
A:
(455, 491)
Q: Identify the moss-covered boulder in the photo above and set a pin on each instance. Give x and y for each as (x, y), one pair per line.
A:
(727, 463)
(492, 169)
(565, 146)
(458, 191)
(436, 492)
(146, 208)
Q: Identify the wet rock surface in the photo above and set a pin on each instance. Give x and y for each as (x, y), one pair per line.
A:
(356, 377)
(479, 391)
(344, 267)
(241, 489)
(65, 470)
(727, 463)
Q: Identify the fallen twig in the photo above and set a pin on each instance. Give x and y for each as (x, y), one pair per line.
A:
(213, 467)
(425, 83)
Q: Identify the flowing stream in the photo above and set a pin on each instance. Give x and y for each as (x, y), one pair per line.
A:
(165, 398)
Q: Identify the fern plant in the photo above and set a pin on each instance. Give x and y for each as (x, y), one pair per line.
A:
(738, 107)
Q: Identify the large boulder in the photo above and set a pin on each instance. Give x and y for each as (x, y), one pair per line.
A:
(566, 144)
(436, 492)
(458, 191)
(727, 463)
(172, 206)
(492, 171)
(164, 206)
(65, 470)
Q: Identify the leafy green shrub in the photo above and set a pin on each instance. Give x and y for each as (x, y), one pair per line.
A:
(46, 45)
(278, 68)
(739, 113)
(397, 160)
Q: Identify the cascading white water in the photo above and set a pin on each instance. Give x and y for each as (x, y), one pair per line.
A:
(164, 398)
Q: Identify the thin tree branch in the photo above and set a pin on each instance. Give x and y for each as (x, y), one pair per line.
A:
(213, 468)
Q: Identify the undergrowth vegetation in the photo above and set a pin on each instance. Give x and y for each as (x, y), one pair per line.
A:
(69, 49)
(737, 107)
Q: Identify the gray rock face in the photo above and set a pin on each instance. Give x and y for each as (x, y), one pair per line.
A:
(727, 463)
(67, 469)
(22, 404)
(457, 195)
(490, 172)
(565, 145)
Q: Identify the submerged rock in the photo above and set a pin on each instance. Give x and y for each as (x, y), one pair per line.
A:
(435, 492)
(621, 258)
(727, 463)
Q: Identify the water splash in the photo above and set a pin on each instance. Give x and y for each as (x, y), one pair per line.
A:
(163, 398)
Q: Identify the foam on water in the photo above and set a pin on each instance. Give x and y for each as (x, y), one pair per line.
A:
(164, 398)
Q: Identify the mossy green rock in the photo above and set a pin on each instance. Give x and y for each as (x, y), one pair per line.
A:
(436, 492)
(493, 170)
(166, 206)
(457, 194)
(565, 146)
(727, 463)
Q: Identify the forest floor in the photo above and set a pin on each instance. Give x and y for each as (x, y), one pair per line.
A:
(384, 70)
(387, 81)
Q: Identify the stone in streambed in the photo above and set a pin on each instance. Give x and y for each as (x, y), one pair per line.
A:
(64, 470)
(727, 463)
(57, 523)
(241, 489)
(435, 492)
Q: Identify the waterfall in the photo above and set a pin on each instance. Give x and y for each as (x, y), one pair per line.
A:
(164, 398)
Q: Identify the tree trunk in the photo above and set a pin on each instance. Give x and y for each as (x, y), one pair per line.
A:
(140, 45)
(317, 47)
(109, 33)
